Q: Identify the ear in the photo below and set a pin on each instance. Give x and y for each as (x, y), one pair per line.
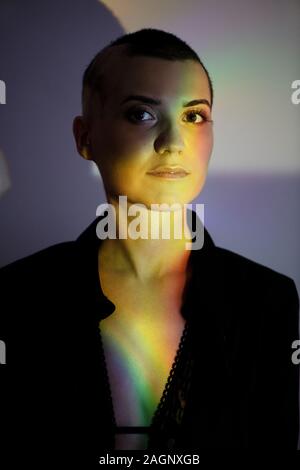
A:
(81, 135)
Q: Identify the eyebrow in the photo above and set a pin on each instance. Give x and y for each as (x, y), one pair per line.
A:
(148, 100)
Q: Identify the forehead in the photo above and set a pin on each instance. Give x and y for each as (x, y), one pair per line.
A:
(170, 80)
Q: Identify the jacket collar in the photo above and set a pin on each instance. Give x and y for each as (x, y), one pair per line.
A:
(200, 261)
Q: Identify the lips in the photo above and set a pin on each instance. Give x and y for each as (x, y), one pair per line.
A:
(169, 171)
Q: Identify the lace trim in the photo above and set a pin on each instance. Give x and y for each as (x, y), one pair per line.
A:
(168, 417)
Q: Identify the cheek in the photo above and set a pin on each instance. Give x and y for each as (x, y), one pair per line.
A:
(207, 151)
(125, 146)
(205, 142)
(121, 159)
(201, 147)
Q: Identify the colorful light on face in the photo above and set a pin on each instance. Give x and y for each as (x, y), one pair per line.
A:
(130, 137)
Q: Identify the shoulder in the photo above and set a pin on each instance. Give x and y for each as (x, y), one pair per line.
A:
(256, 294)
(248, 271)
(38, 276)
(35, 284)
(41, 261)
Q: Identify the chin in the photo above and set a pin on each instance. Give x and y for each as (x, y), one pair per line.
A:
(170, 202)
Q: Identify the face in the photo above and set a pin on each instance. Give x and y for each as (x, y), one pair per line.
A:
(149, 122)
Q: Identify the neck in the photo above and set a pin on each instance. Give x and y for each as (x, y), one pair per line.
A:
(160, 249)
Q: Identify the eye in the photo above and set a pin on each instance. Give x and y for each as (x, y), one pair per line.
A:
(137, 114)
(197, 117)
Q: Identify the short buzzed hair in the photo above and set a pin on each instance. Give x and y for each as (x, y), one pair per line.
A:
(146, 42)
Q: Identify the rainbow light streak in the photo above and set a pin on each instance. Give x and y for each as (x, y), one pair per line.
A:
(133, 352)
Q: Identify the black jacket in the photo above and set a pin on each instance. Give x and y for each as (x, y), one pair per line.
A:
(244, 318)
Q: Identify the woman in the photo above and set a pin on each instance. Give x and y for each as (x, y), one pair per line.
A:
(155, 150)
(156, 346)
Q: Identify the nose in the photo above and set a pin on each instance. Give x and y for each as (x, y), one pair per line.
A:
(169, 140)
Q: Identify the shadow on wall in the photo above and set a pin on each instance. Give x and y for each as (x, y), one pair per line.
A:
(45, 47)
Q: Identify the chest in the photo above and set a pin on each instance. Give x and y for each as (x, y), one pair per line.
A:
(140, 341)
